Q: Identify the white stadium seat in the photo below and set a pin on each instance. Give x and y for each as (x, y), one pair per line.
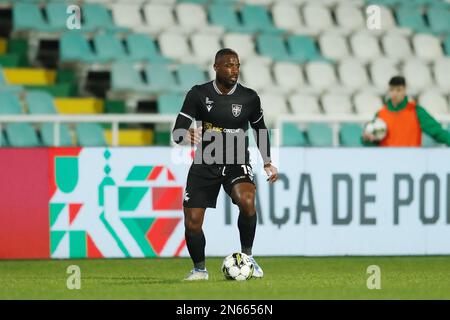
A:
(244, 45)
(365, 46)
(350, 17)
(258, 77)
(260, 2)
(129, 15)
(382, 70)
(302, 103)
(418, 76)
(273, 105)
(192, 17)
(175, 46)
(205, 46)
(318, 17)
(321, 75)
(353, 74)
(287, 16)
(441, 69)
(434, 102)
(427, 47)
(367, 103)
(396, 47)
(335, 103)
(160, 17)
(333, 46)
(288, 75)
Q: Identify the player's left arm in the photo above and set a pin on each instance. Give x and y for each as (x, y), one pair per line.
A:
(262, 138)
(431, 127)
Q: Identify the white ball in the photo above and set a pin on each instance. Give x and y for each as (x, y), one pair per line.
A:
(377, 128)
(237, 266)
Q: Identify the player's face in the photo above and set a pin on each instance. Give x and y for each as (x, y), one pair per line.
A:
(227, 70)
(397, 94)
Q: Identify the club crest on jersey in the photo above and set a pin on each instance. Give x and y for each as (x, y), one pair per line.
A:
(208, 103)
(236, 109)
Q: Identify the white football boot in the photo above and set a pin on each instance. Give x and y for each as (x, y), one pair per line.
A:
(197, 274)
(258, 271)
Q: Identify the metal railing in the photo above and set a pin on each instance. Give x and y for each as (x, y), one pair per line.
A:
(334, 121)
(113, 119)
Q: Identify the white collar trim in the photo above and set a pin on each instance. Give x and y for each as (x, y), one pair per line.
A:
(219, 92)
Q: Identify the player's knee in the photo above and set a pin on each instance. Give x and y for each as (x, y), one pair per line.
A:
(193, 224)
(246, 203)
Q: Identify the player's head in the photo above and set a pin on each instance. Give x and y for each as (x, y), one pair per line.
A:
(397, 89)
(226, 65)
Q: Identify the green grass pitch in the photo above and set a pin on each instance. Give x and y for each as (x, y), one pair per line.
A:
(285, 278)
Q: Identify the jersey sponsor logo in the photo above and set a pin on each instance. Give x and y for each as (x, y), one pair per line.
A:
(208, 103)
(236, 109)
(210, 128)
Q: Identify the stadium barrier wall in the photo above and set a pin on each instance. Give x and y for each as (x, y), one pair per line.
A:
(127, 202)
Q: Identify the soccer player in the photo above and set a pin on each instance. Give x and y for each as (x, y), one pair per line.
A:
(405, 120)
(224, 108)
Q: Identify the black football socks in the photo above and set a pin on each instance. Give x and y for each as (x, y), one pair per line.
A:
(196, 243)
(247, 229)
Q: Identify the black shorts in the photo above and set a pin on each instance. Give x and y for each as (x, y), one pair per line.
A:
(204, 181)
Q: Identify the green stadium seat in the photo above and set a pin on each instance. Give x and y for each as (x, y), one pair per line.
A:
(143, 48)
(170, 103)
(28, 16)
(303, 49)
(9, 60)
(56, 14)
(4, 86)
(439, 20)
(190, 75)
(293, 136)
(125, 77)
(273, 46)
(40, 102)
(65, 139)
(161, 78)
(411, 17)
(225, 15)
(97, 17)
(447, 45)
(257, 19)
(427, 141)
(350, 135)
(203, 2)
(21, 135)
(9, 104)
(319, 135)
(74, 47)
(108, 47)
(90, 135)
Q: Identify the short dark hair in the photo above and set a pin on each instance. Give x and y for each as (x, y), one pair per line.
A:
(397, 81)
(224, 52)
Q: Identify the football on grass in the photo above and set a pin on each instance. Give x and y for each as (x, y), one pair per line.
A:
(237, 266)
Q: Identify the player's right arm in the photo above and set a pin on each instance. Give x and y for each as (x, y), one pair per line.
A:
(182, 133)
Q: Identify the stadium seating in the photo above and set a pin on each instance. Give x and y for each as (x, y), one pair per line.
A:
(350, 135)
(293, 136)
(319, 135)
(9, 104)
(47, 134)
(306, 57)
(143, 48)
(90, 135)
(21, 135)
(40, 102)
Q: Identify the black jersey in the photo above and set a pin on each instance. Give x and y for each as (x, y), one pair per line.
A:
(225, 119)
